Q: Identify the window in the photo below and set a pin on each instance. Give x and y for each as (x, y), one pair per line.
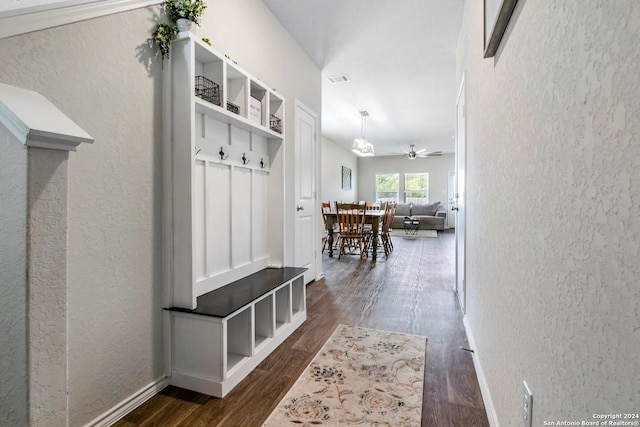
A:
(387, 187)
(416, 188)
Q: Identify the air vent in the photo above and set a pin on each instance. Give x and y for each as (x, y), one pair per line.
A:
(339, 78)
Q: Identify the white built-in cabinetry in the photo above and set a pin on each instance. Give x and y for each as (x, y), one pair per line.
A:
(223, 192)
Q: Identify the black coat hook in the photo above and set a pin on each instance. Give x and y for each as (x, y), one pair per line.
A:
(197, 150)
(244, 159)
(222, 156)
(262, 164)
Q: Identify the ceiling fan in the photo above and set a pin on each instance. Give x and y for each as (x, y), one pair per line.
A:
(412, 153)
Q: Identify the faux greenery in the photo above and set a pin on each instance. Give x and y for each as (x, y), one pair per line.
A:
(162, 36)
(188, 9)
(176, 9)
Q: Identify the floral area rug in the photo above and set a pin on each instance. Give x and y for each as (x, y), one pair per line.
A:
(360, 377)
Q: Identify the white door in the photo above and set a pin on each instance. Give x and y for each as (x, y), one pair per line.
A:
(451, 194)
(459, 205)
(306, 219)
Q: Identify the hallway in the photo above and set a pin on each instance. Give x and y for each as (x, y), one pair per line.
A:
(410, 292)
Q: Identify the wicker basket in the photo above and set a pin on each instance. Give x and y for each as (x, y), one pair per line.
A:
(233, 107)
(207, 90)
(275, 124)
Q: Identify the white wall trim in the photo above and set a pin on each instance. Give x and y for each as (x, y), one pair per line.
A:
(27, 20)
(484, 388)
(129, 404)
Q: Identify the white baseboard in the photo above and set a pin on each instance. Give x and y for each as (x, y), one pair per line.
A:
(484, 388)
(123, 408)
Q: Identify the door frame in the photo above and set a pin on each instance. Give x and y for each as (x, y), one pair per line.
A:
(299, 105)
(460, 230)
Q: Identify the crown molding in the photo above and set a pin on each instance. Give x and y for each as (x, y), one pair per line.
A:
(27, 20)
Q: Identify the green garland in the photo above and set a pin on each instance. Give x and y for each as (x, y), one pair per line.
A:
(176, 9)
(162, 36)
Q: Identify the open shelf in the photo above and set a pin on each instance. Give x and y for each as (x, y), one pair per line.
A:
(218, 113)
(298, 303)
(236, 90)
(263, 320)
(283, 307)
(234, 362)
(234, 328)
(258, 104)
(239, 338)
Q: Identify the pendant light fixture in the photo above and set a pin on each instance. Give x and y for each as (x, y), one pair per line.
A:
(361, 146)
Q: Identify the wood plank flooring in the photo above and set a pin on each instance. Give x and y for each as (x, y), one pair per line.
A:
(410, 292)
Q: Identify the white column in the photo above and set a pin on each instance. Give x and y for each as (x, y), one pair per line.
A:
(47, 279)
(34, 216)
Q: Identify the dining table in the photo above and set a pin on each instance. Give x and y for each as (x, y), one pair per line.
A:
(372, 217)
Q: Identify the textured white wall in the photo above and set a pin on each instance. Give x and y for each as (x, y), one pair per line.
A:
(99, 72)
(552, 135)
(95, 72)
(13, 280)
(437, 167)
(333, 158)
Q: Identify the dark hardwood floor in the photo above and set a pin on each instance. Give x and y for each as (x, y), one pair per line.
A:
(410, 292)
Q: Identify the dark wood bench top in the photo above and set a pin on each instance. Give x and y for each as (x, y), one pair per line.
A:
(223, 301)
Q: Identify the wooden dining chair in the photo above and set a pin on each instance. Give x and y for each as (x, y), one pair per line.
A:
(370, 206)
(384, 237)
(351, 228)
(385, 234)
(326, 209)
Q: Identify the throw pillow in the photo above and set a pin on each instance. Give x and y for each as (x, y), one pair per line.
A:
(429, 210)
(403, 209)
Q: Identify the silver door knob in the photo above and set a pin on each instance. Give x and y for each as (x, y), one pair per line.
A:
(299, 208)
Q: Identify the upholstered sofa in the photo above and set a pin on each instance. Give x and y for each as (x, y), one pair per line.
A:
(432, 216)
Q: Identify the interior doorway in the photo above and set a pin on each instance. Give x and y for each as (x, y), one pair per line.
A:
(459, 206)
(306, 219)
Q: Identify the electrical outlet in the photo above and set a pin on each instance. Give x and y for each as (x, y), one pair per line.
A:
(527, 405)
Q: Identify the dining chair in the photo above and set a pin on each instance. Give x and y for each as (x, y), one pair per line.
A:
(370, 206)
(351, 228)
(385, 234)
(326, 209)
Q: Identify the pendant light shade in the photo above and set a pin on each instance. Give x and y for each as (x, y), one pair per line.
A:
(361, 146)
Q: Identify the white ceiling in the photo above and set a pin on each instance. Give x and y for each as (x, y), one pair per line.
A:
(400, 57)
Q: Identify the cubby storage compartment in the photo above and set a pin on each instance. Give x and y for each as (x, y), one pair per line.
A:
(258, 103)
(264, 320)
(298, 299)
(238, 339)
(234, 328)
(276, 113)
(210, 66)
(237, 95)
(283, 307)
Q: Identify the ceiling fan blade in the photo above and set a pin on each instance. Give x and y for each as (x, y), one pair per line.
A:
(421, 151)
(434, 154)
